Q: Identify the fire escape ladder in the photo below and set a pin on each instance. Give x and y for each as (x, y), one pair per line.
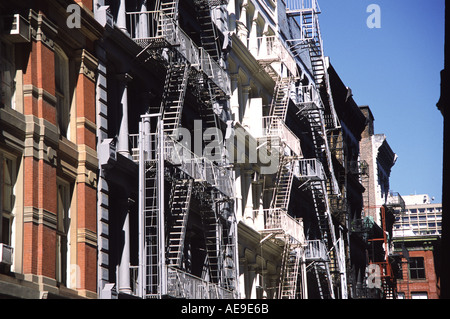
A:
(291, 266)
(282, 193)
(211, 228)
(318, 193)
(211, 122)
(208, 32)
(169, 8)
(151, 228)
(173, 96)
(229, 269)
(323, 278)
(179, 202)
(315, 46)
(168, 19)
(280, 100)
(315, 118)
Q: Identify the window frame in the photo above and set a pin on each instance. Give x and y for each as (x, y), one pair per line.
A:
(63, 228)
(7, 215)
(416, 268)
(7, 64)
(62, 92)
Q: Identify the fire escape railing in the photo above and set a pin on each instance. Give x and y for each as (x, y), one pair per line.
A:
(277, 221)
(159, 31)
(181, 284)
(197, 167)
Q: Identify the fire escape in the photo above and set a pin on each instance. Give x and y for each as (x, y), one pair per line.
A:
(279, 226)
(382, 281)
(318, 109)
(163, 161)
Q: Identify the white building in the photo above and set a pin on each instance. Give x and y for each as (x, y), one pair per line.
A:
(421, 217)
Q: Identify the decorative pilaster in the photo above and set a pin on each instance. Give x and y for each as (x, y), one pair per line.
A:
(122, 143)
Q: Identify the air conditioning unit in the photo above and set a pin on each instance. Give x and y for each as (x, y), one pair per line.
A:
(16, 28)
(6, 255)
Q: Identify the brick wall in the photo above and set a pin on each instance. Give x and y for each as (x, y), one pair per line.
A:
(428, 285)
(49, 157)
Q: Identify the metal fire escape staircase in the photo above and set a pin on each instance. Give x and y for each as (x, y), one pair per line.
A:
(280, 101)
(292, 250)
(151, 229)
(208, 33)
(210, 222)
(180, 199)
(291, 266)
(173, 96)
(326, 228)
(282, 192)
(183, 59)
(306, 13)
(150, 179)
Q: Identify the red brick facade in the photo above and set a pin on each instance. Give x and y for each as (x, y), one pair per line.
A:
(428, 283)
(48, 159)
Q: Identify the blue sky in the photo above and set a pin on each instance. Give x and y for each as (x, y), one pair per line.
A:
(395, 70)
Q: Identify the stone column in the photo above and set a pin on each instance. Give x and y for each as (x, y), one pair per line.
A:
(124, 266)
(253, 37)
(238, 190)
(122, 143)
(143, 20)
(234, 100)
(245, 101)
(248, 212)
(242, 28)
(122, 16)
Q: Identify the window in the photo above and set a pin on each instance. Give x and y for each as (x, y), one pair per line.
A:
(419, 295)
(62, 231)
(7, 181)
(7, 74)
(62, 92)
(416, 268)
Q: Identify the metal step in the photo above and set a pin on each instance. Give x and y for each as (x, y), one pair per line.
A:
(179, 203)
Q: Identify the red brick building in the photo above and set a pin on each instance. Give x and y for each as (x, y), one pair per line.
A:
(48, 153)
(420, 271)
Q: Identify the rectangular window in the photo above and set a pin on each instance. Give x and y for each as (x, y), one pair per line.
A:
(62, 92)
(7, 182)
(7, 75)
(62, 231)
(417, 268)
(419, 295)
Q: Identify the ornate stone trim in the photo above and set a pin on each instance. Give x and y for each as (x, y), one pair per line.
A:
(88, 65)
(42, 29)
(87, 236)
(39, 216)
